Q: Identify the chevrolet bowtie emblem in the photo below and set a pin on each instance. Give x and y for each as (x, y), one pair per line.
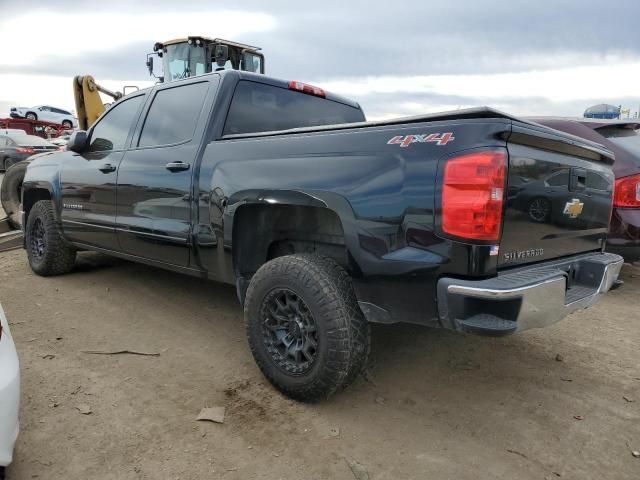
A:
(573, 208)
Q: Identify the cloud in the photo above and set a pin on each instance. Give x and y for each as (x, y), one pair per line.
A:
(403, 58)
(80, 33)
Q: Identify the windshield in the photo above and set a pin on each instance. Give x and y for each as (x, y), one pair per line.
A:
(252, 63)
(625, 138)
(183, 60)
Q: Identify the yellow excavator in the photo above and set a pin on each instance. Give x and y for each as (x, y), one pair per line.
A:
(181, 58)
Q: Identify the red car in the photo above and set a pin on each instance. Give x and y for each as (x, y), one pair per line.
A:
(623, 138)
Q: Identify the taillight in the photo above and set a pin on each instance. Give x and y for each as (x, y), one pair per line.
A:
(472, 195)
(306, 88)
(627, 192)
(24, 150)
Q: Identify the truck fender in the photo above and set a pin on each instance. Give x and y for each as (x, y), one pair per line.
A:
(42, 182)
(235, 204)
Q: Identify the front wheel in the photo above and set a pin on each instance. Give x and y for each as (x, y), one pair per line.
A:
(67, 125)
(305, 329)
(31, 116)
(47, 251)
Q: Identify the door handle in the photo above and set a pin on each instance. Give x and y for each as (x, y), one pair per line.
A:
(177, 166)
(107, 168)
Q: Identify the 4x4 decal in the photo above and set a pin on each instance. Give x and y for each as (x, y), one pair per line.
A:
(437, 138)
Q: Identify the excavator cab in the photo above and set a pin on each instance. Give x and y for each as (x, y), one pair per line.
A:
(191, 56)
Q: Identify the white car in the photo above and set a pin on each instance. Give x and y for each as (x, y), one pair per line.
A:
(61, 141)
(46, 113)
(9, 394)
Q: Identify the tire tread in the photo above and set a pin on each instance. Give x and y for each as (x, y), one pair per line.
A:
(59, 257)
(348, 332)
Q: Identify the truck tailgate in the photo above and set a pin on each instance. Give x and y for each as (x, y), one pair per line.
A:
(559, 196)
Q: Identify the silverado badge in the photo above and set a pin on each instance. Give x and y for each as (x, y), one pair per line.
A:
(573, 208)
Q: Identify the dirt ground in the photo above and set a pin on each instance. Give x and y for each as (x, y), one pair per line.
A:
(435, 405)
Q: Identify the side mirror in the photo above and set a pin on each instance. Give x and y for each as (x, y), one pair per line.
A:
(150, 64)
(221, 55)
(78, 142)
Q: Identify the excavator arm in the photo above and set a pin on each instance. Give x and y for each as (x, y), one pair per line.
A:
(89, 105)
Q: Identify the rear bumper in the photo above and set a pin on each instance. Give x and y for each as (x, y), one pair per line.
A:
(527, 297)
(9, 394)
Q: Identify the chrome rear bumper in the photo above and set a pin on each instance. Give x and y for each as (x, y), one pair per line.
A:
(526, 297)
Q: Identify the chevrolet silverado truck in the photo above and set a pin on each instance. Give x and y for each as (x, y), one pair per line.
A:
(326, 223)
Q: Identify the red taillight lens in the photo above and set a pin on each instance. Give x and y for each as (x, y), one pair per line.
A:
(306, 88)
(472, 195)
(24, 150)
(627, 192)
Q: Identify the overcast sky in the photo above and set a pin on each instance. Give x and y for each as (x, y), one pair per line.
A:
(395, 58)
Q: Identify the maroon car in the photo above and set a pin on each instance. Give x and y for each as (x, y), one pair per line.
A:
(623, 138)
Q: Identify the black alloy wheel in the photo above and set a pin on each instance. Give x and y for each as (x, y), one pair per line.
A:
(37, 239)
(289, 331)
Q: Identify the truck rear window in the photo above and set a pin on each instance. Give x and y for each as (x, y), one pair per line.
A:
(257, 107)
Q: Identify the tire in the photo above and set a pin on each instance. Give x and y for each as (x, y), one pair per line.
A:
(1, 473)
(31, 116)
(6, 163)
(67, 125)
(47, 251)
(11, 192)
(304, 300)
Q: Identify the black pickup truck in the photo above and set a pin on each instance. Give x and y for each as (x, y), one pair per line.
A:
(326, 223)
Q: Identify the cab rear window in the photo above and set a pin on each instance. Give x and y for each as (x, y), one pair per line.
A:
(257, 107)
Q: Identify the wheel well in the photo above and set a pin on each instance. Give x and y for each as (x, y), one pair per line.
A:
(33, 196)
(264, 232)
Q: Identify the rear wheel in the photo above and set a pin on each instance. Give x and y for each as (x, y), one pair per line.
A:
(305, 329)
(31, 116)
(47, 251)
(6, 163)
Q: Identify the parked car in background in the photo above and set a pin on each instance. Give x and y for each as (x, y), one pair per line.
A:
(623, 138)
(16, 147)
(9, 394)
(62, 140)
(47, 113)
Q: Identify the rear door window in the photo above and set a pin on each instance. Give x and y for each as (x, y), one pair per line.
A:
(173, 115)
(257, 107)
(560, 179)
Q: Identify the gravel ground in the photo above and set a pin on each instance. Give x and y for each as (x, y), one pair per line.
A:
(563, 402)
